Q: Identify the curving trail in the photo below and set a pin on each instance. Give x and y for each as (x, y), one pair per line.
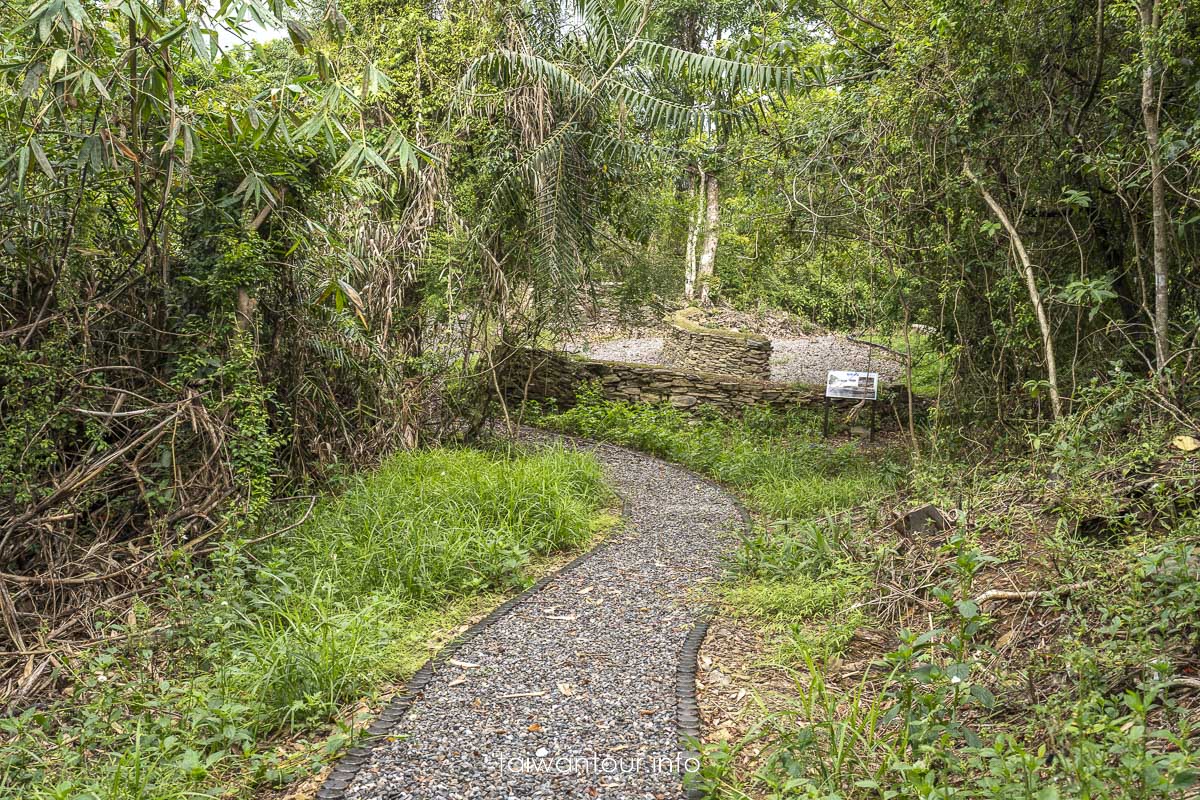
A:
(578, 688)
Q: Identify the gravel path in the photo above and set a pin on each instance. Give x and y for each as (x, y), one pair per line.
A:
(572, 694)
(805, 360)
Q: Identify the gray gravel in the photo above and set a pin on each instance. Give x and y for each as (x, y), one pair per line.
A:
(805, 360)
(635, 351)
(809, 360)
(572, 694)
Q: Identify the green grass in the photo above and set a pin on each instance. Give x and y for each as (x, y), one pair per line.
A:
(777, 461)
(442, 523)
(1073, 694)
(796, 565)
(285, 637)
(797, 600)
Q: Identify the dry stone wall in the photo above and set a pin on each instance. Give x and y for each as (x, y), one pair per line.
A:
(534, 374)
(691, 346)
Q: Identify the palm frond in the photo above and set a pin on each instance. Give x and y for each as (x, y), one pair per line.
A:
(509, 68)
(657, 111)
(530, 165)
(607, 149)
(606, 25)
(737, 75)
(563, 226)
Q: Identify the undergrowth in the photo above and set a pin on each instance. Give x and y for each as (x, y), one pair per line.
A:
(1081, 683)
(909, 679)
(931, 359)
(237, 682)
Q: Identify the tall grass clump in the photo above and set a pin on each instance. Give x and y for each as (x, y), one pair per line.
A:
(282, 637)
(330, 601)
(429, 525)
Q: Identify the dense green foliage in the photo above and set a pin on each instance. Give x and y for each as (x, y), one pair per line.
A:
(180, 336)
(232, 270)
(283, 635)
(236, 267)
(854, 205)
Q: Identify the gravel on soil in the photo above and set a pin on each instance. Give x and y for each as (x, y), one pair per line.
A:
(572, 694)
(809, 360)
(647, 350)
(806, 360)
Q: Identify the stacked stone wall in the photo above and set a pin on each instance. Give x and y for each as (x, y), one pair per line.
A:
(690, 346)
(535, 374)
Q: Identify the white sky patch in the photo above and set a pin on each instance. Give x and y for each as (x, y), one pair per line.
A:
(250, 32)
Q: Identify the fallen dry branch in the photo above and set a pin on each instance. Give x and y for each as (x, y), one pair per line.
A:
(1000, 595)
(80, 580)
(95, 539)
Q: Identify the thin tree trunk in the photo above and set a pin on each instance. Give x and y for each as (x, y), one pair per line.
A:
(712, 217)
(245, 310)
(1151, 19)
(1035, 296)
(694, 223)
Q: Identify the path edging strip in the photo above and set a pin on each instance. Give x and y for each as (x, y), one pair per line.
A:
(687, 708)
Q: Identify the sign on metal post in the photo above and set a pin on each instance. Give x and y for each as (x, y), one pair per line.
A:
(851, 386)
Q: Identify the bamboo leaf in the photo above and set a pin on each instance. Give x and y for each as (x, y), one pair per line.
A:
(299, 35)
(40, 155)
(124, 148)
(57, 62)
(171, 35)
(99, 84)
(189, 145)
(33, 79)
(22, 164)
(75, 9)
(352, 294)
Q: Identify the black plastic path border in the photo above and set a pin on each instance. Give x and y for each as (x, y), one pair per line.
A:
(687, 712)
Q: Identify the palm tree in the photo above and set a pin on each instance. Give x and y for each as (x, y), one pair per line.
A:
(581, 90)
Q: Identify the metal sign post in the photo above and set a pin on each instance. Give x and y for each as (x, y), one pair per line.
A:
(852, 386)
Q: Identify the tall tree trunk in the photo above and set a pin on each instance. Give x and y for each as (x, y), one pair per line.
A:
(694, 222)
(1035, 296)
(712, 218)
(1151, 20)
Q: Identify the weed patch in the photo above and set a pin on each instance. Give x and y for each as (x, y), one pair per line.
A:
(273, 643)
(1043, 647)
(797, 600)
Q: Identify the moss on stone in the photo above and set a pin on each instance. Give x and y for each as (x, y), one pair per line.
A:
(683, 319)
